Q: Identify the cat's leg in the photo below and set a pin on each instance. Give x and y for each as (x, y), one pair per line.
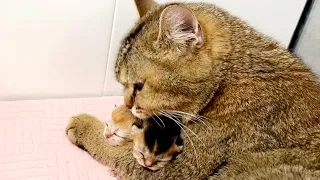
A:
(284, 164)
(86, 132)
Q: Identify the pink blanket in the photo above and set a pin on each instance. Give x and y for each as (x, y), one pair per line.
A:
(33, 144)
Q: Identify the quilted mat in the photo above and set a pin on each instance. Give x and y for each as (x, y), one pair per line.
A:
(33, 144)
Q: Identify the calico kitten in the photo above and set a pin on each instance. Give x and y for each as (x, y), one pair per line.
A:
(156, 142)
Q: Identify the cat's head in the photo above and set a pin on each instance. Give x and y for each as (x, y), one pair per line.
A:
(156, 143)
(170, 60)
(118, 126)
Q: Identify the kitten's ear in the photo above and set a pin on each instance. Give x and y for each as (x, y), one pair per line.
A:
(135, 131)
(134, 128)
(180, 25)
(144, 6)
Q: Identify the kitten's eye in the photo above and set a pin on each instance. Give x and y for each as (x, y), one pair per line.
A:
(141, 154)
(106, 123)
(138, 86)
(119, 135)
(164, 160)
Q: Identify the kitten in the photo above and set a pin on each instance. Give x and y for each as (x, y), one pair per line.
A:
(118, 126)
(156, 142)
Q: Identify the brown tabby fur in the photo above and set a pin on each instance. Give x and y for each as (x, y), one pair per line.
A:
(262, 103)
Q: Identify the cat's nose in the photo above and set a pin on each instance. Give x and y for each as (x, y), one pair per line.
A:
(148, 163)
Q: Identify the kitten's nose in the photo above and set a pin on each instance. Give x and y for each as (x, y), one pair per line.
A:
(107, 135)
(148, 163)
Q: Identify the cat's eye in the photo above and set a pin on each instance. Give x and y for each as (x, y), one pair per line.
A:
(106, 123)
(138, 86)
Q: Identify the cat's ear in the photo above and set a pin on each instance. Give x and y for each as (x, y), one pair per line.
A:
(180, 25)
(144, 6)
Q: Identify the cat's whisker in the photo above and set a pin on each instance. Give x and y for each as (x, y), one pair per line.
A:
(160, 120)
(177, 121)
(156, 122)
(187, 114)
(197, 117)
(183, 115)
(194, 148)
(192, 115)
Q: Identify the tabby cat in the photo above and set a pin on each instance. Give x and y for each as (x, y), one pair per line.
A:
(260, 103)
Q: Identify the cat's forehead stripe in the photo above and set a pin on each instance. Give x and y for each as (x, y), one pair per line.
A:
(126, 47)
(131, 37)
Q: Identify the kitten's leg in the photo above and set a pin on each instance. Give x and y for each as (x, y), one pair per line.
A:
(86, 132)
(281, 164)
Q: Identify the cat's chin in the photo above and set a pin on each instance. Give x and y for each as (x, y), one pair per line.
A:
(139, 115)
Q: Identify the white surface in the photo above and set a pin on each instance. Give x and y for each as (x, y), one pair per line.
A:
(59, 48)
(53, 49)
(308, 46)
(275, 18)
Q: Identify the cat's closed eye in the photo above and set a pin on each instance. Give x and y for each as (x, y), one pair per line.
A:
(138, 86)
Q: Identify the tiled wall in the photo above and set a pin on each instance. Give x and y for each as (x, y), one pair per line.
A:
(57, 49)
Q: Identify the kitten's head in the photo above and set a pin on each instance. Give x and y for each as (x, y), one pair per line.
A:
(156, 143)
(118, 126)
(169, 60)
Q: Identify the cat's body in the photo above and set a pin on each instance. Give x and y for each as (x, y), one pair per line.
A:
(156, 142)
(261, 102)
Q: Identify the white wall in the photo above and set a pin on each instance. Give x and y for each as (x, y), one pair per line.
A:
(54, 49)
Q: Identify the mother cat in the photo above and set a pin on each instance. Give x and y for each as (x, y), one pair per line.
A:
(262, 103)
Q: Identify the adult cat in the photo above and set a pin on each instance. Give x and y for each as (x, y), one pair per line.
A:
(261, 103)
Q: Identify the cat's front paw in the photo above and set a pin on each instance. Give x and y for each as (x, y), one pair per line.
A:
(70, 132)
(81, 128)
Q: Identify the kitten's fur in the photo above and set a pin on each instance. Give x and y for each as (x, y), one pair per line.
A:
(118, 126)
(156, 142)
(262, 103)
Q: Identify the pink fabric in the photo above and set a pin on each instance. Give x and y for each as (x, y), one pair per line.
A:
(33, 144)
